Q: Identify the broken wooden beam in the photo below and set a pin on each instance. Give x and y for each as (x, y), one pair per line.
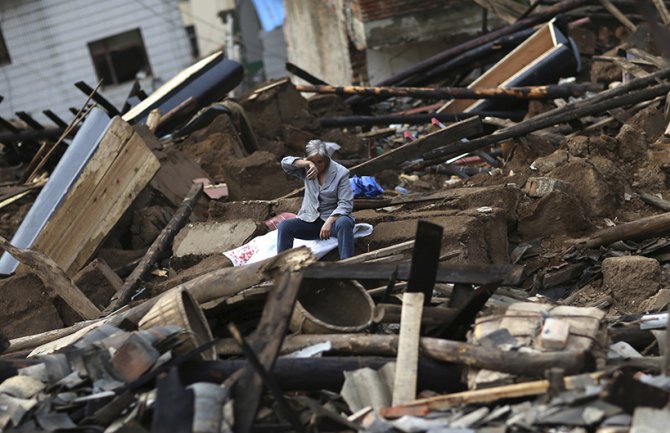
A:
(424, 406)
(426, 143)
(98, 98)
(266, 341)
(563, 114)
(616, 13)
(410, 119)
(55, 119)
(446, 273)
(527, 364)
(382, 252)
(30, 121)
(301, 73)
(220, 284)
(157, 248)
(54, 278)
(655, 201)
(639, 229)
(529, 92)
(270, 383)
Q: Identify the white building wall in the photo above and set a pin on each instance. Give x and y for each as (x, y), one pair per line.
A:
(316, 39)
(48, 41)
(210, 30)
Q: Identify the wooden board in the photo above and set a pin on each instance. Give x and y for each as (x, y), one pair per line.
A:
(525, 54)
(416, 148)
(116, 173)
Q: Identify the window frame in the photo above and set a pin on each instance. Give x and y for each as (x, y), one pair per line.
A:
(105, 47)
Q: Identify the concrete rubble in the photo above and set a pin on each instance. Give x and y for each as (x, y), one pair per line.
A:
(517, 277)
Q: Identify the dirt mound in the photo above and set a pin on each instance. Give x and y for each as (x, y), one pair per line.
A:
(275, 107)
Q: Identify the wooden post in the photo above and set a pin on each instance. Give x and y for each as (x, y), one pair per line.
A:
(404, 385)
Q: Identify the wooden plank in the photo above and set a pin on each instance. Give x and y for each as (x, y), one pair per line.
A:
(54, 278)
(266, 342)
(404, 383)
(128, 178)
(522, 56)
(446, 273)
(119, 169)
(427, 405)
(416, 148)
(382, 252)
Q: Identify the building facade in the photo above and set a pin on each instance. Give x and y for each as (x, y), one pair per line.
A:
(48, 45)
(365, 41)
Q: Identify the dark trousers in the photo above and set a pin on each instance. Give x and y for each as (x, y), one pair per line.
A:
(295, 228)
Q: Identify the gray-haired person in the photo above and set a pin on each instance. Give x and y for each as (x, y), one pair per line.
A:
(328, 202)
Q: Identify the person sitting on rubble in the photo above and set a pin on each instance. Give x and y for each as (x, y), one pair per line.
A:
(328, 202)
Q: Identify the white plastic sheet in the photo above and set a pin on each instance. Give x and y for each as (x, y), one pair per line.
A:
(264, 247)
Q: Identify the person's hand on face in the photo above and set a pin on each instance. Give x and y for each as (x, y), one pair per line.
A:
(312, 170)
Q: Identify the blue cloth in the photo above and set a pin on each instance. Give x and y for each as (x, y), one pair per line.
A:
(343, 230)
(365, 186)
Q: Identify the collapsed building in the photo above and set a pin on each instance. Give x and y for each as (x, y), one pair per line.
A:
(514, 278)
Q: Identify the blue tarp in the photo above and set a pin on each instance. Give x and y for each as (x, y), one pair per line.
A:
(270, 13)
(365, 186)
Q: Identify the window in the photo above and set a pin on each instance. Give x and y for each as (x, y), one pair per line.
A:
(119, 58)
(4, 53)
(193, 40)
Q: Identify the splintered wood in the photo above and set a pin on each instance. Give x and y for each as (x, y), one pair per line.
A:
(117, 172)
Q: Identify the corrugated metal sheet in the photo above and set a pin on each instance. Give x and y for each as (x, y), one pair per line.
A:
(47, 41)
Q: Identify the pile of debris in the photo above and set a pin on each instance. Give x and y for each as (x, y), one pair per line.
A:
(515, 276)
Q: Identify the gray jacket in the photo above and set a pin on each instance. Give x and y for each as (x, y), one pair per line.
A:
(334, 197)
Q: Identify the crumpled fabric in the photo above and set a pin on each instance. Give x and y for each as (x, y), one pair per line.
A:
(365, 186)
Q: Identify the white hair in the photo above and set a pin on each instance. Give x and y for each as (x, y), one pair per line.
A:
(316, 147)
